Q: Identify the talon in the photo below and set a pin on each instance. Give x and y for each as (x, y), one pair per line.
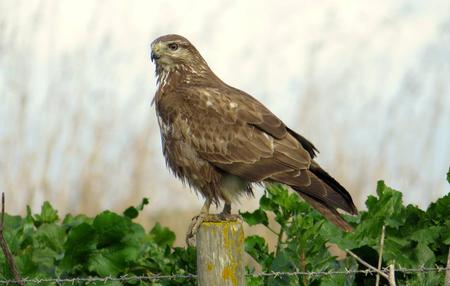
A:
(193, 228)
(196, 222)
(230, 217)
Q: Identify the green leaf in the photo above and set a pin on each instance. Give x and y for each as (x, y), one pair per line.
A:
(426, 235)
(71, 221)
(133, 212)
(257, 248)
(50, 236)
(25, 265)
(446, 233)
(267, 204)
(280, 196)
(396, 249)
(110, 227)
(425, 255)
(44, 258)
(13, 232)
(48, 214)
(282, 263)
(105, 263)
(256, 217)
(439, 211)
(162, 236)
(80, 243)
(386, 210)
(28, 227)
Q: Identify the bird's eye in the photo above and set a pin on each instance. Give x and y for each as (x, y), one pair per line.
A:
(173, 46)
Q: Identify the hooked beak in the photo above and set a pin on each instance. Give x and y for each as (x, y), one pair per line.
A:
(154, 56)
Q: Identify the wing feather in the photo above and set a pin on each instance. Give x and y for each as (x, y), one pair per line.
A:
(236, 133)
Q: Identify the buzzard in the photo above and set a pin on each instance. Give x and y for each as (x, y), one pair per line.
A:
(220, 140)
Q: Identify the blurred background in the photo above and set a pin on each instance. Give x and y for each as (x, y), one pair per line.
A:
(368, 82)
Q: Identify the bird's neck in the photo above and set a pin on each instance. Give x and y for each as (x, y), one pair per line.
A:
(169, 78)
(173, 76)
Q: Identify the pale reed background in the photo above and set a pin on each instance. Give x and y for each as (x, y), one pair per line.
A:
(367, 81)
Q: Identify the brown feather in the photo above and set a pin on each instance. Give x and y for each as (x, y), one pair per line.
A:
(330, 213)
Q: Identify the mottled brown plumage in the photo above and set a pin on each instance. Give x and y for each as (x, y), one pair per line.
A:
(220, 140)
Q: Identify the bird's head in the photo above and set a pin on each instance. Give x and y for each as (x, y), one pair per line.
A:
(172, 52)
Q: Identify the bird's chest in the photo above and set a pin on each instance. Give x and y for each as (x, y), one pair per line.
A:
(175, 131)
(166, 128)
(181, 155)
(172, 123)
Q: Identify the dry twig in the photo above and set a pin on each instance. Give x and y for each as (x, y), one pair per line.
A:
(367, 264)
(5, 248)
(389, 277)
(392, 275)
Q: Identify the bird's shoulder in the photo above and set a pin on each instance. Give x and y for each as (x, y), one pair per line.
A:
(229, 104)
(212, 104)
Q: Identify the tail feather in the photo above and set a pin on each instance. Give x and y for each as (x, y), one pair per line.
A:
(330, 213)
(310, 184)
(322, 192)
(333, 184)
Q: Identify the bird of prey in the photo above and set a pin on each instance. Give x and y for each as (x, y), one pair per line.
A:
(220, 140)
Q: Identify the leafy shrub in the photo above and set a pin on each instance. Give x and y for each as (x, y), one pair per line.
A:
(111, 244)
(108, 244)
(413, 239)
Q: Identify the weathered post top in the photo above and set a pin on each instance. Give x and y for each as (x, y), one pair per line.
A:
(220, 252)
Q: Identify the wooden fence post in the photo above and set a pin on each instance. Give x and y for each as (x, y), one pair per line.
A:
(220, 252)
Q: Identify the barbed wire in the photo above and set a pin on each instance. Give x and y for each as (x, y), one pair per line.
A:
(158, 277)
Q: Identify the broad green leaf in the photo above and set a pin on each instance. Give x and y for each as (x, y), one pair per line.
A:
(424, 254)
(110, 227)
(257, 247)
(133, 212)
(426, 235)
(71, 220)
(28, 227)
(44, 258)
(439, 211)
(282, 263)
(13, 233)
(281, 196)
(162, 236)
(267, 204)
(25, 264)
(12, 222)
(48, 214)
(50, 236)
(256, 217)
(80, 243)
(395, 249)
(106, 262)
(446, 232)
